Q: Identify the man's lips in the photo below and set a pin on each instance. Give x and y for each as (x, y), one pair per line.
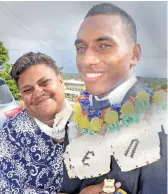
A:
(93, 76)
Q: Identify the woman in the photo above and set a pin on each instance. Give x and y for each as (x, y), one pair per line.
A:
(31, 157)
(32, 143)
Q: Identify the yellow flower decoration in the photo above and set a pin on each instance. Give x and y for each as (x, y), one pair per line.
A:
(121, 191)
(111, 117)
(83, 121)
(77, 108)
(159, 96)
(128, 108)
(96, 124)
(76, 118)
(142, 96)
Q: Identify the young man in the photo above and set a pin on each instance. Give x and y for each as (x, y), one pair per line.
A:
(107, 53)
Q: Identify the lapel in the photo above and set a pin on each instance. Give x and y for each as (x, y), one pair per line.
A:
(137, 87)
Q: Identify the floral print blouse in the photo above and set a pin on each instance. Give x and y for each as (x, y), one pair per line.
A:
(31, 162)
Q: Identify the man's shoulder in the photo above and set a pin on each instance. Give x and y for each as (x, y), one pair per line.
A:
(137, 87)
(154, 176)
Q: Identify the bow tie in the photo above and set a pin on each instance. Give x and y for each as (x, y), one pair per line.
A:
(98, 105)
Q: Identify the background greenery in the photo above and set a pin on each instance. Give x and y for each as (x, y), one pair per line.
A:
(5, 68)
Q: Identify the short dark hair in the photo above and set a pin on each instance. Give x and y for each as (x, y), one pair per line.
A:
(31, 59)
(110, 9)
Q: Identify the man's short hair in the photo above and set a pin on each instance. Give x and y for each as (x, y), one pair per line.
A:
(31, 59)
(110, 9)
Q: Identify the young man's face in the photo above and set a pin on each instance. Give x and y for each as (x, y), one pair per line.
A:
(105, 56)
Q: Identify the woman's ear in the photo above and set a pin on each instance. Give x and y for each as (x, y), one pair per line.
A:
(61, 79)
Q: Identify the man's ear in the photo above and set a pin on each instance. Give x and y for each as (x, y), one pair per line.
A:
(136, 55)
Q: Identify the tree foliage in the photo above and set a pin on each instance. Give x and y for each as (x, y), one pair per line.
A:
(4, 56)
(156, 83)
(67, 76)
(11, 84)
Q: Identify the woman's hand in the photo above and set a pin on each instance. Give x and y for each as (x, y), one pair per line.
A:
(98, 189)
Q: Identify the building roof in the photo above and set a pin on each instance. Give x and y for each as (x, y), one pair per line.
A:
(72, 92)
(73, 81)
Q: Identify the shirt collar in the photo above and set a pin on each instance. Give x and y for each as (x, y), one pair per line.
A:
(60, 122)
(118, 94)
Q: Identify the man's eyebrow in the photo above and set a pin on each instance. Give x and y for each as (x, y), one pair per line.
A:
(78, 41)
(104, 38)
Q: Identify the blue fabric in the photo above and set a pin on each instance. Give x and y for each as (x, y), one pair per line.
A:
(30, 161)
(98, 105)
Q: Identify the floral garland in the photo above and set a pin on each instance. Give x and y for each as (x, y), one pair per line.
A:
(90, 121)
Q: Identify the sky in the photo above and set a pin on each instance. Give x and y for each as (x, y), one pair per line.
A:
(51, 28)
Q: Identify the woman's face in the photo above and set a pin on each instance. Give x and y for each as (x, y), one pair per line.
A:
(42, 91)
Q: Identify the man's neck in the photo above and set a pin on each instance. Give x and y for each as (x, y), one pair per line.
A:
(117, 94)
(107, 93)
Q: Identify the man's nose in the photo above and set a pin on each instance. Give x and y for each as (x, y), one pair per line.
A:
(90, 58)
